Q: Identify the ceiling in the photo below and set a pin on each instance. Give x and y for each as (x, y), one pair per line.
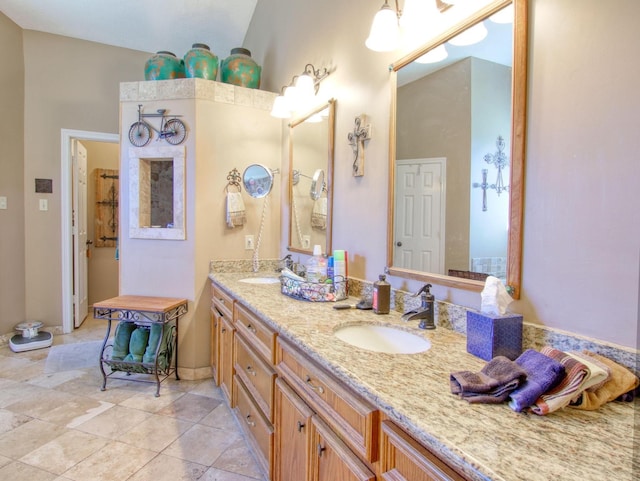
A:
(146, 25)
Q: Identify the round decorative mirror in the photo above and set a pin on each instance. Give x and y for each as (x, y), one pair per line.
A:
(317, 184)
(257, 180)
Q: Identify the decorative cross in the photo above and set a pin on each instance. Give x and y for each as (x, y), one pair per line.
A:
(484, 186)
(361, 132)
(499, 160)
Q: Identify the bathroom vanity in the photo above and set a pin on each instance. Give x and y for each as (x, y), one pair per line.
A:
(314, 407)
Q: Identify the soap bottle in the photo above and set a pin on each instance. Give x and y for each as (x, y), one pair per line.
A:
(340, 273)
(381, 295)
(317, 266)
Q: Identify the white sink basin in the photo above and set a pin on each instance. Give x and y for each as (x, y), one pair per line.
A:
(260, 280)
(382, 339)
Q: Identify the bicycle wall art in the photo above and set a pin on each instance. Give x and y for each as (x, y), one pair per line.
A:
(172, 129)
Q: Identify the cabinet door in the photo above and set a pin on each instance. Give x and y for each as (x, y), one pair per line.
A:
(226, 359)
(331, 459)
(403, 459)
(292, 437)
(215, 345)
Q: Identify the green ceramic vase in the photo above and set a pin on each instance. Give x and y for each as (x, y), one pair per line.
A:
(200, 62)
(164, 65)
(240, 69)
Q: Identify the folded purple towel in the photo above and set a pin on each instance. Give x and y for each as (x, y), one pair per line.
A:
(543, 373)
(492, 384)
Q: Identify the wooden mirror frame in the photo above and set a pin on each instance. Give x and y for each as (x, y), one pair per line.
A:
(328, 178)
(518, 130)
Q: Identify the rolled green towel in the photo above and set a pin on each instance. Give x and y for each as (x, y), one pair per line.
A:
(137, 345)
(154, 339)
(121, 340)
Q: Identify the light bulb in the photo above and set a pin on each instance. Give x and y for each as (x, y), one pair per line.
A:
(432, 56)
(384, 35)
(280, 109)
(305, 87)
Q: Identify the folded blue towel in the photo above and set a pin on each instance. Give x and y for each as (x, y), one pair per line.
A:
(543, 373)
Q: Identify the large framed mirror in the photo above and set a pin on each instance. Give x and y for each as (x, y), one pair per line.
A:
(311, 151)
(456, 154)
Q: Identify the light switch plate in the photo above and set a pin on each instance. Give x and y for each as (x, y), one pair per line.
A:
(44, 204)
(3, 202)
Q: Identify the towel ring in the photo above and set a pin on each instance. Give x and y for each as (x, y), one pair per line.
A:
(233, 178)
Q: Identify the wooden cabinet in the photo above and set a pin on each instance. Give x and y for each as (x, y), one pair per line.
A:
(222, 339)
(331, 459)
(254, 382)
(292, 437)
(332, 429)
(404, 459)
(226, 359)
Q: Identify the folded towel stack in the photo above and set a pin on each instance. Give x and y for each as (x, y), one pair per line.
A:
(543, 373)
(620, 381)
(319, 214)
(236, 214)
(493, 384)
(569, 387)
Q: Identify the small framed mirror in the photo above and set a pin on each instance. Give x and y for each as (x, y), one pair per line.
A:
(311, 150)
(156, 191)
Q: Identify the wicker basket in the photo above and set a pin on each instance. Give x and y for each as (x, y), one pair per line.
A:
(312, 291)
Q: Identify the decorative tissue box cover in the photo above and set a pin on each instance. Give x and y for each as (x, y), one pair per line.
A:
(489, 336)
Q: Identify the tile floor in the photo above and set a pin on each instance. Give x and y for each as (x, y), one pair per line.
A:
(61, 427)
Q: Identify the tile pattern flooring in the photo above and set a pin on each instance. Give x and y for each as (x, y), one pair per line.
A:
(61, 427)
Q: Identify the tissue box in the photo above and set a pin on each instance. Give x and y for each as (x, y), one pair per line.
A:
(490, 336)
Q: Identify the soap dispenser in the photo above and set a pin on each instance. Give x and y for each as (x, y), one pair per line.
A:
(381, 295)
(427, 301)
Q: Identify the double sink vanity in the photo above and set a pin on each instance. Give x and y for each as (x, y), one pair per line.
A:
(315, 407)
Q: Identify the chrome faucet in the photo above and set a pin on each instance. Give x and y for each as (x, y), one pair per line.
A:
(425, 313)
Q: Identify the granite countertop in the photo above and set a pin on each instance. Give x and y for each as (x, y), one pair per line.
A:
(486, 442)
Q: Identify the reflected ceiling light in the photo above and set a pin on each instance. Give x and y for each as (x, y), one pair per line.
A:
(432, 56)
(384, 35)
(299, 93)
(472, 35)
(418, 21)
(503, 16)
(315, 118)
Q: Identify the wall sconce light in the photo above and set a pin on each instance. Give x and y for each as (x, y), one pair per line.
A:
(299, 93)
(414, 23)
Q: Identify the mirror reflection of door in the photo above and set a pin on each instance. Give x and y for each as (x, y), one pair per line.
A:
(420, 214)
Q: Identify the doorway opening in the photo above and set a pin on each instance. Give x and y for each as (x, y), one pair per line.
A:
(74, 242)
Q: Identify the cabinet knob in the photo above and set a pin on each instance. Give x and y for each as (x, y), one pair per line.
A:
(300, 426)
(251, 328)
(249, 421)
(319, 389)
(251, 371)
(320, 449)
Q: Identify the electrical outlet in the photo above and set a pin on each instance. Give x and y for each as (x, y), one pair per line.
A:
(249, 244)
(306, 241)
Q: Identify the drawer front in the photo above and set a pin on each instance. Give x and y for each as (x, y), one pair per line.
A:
(259, 430)
(257, 375)
(221, 300)
(354, 419)
(403, 458)
(261, 337)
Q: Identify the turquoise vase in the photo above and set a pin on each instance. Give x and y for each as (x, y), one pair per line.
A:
(200, 62)
(164, 65)
(240, 69)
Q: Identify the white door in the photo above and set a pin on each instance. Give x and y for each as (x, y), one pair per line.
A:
(419, 217)
(80, 242)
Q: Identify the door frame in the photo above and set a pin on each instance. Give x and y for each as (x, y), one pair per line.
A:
(66, 223)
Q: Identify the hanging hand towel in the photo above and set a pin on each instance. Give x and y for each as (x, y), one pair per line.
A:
(570, 386)
(542, 374)
(319, 214)
(620, 381)
(492, 384)
(236, 214)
